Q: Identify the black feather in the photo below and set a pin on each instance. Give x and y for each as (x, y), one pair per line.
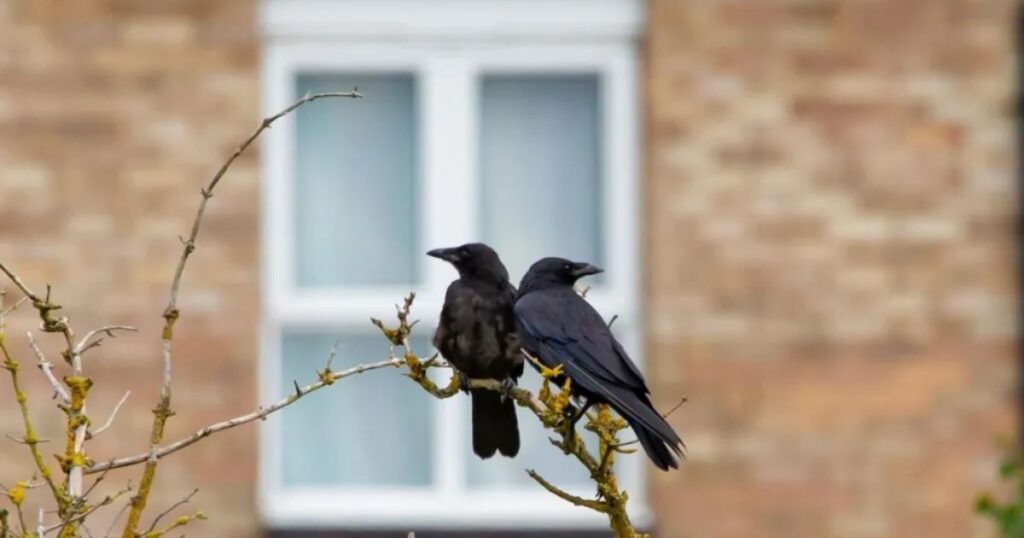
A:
(559, 327)
(477, 335)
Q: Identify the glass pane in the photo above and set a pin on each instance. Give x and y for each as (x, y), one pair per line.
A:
(536, 453)
(372, 430)
(540, 168)
(355, 182)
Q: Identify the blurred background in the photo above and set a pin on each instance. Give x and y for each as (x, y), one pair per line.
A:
(807, 210)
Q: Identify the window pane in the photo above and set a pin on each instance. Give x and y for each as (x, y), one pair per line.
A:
(355, 188)
(535, 453)
(540, 168)
(374, 430)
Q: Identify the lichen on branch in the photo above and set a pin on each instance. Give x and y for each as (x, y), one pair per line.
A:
(552, 407)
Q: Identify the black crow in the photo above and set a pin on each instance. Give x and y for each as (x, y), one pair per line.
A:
(477, 335)
(559, 327)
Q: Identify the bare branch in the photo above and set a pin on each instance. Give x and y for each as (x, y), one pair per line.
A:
(86, 344)
(73, 459)
(180, 521)
(117, 518)
(89, 511)
(207, 193)
(682, 400)
(334, 351)
(29, 438)
(110, 420)
(77, 420)
(96, 483)
(170, 314)
(260, 413)
(15, 307)
(171, 509)
(17, 282)
(23, 441)
(564, 495)
(47, 368)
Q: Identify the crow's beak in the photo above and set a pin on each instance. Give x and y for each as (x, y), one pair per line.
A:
(446, 254)
(586, 269)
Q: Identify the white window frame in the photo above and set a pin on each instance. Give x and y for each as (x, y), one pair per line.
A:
(446, 45)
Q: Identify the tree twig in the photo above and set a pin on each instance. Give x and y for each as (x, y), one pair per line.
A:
(117, 518)
(17, 282)
(87, 512)
(171, 509)
(30, 438)
(110, 419)
(47, 368)
(566, 496)
(170, 314)
(260, 413)
(682, 400)
(13, 308)
(86, 342)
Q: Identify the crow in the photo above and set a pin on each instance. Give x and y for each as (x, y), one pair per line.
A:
(477, 335)
(559, 327)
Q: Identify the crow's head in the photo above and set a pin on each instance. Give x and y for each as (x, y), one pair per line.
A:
(473, 260)
(551, 272)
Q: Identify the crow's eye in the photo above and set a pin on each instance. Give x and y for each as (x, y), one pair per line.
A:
(567, 267)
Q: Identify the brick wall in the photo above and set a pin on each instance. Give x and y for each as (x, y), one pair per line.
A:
(830, 202)
(113, 114)
(830, 212)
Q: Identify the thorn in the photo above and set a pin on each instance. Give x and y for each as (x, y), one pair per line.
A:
(298, 391)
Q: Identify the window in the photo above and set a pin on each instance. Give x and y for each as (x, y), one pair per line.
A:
(510, 122)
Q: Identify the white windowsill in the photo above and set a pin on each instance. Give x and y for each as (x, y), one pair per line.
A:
(521, 510)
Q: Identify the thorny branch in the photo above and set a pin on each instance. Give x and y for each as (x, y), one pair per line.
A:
(110, 419)
(47, 368)
(109, 499)
(73, 461)
(87, 342)
(326, 378)
(71, 501)
(161, 515)
(163, 409)
(29, 438)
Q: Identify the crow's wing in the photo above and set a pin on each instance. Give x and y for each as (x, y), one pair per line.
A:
(565, 329)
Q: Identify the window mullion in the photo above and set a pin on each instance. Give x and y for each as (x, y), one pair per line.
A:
(448, 97)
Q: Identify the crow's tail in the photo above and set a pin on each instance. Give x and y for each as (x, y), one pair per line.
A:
(664, 453)
(661, 443)
(495, 427)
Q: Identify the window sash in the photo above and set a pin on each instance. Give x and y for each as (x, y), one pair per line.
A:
(447, 79)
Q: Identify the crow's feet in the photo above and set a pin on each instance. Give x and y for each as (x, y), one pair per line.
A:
(463, 382)
(507, 386)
